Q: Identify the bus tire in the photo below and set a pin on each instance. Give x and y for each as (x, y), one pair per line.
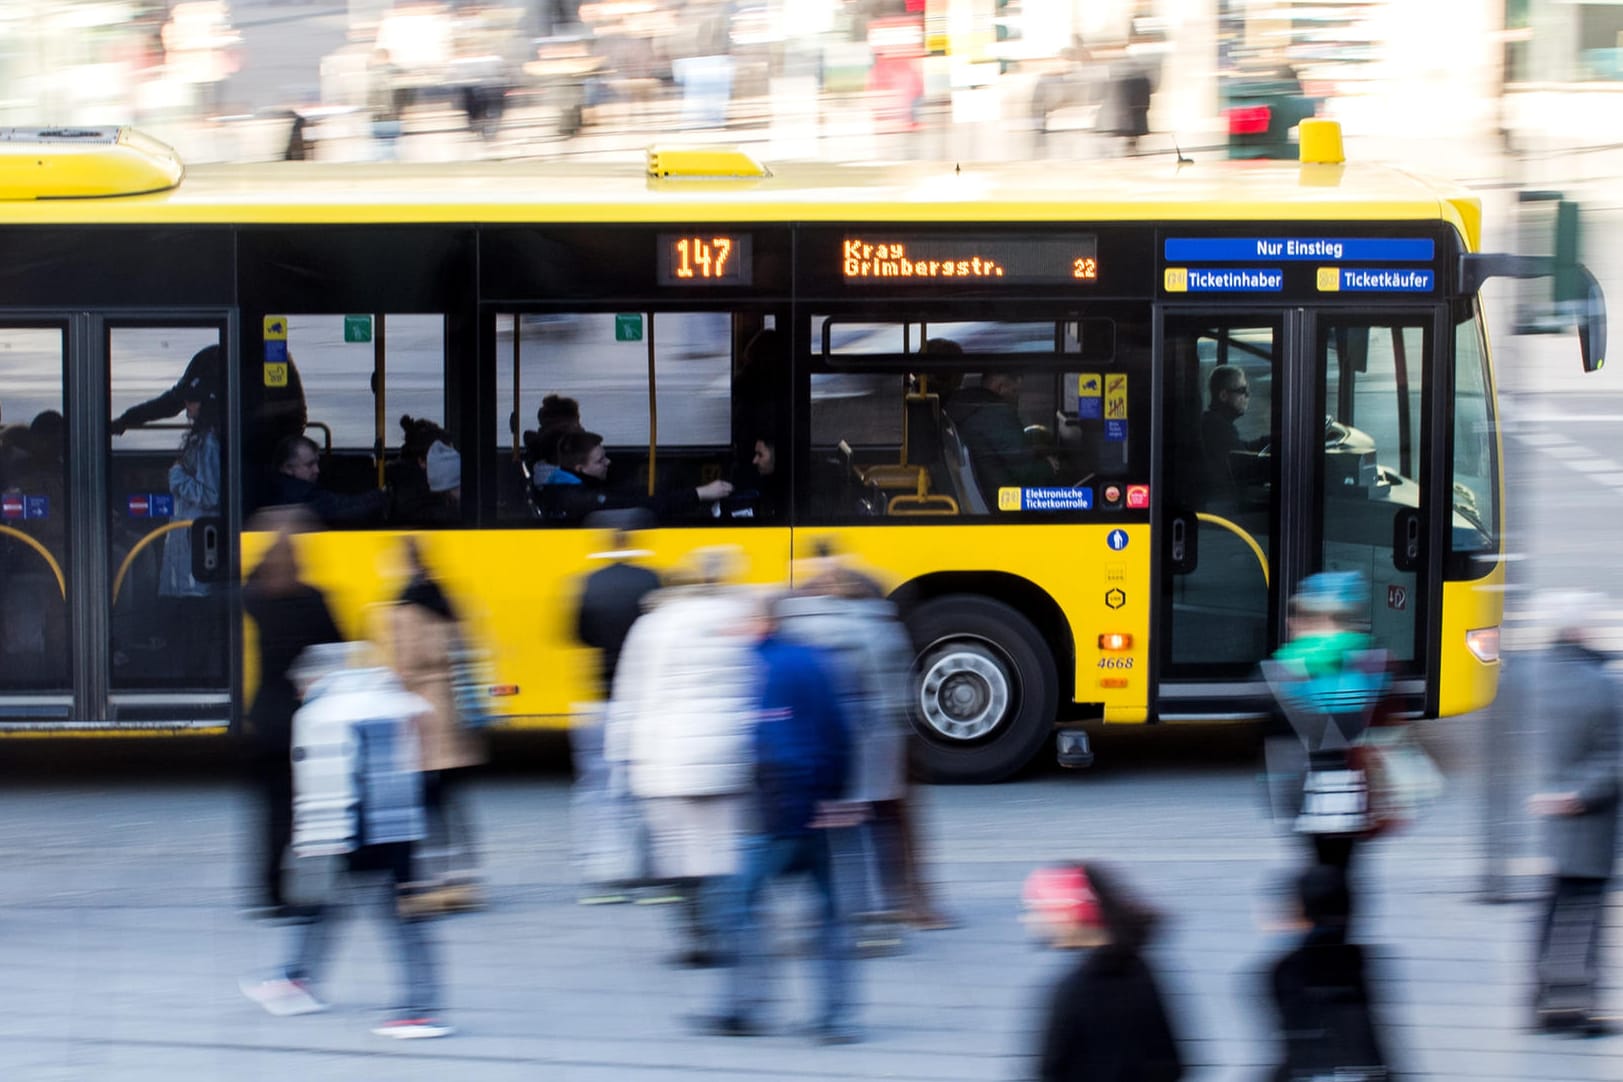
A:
(985, 690)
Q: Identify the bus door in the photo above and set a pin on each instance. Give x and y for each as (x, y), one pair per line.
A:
(113, 467)
(1293, 441)
(166, 547)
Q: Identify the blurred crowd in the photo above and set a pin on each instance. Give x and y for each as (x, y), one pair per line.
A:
(744, 736)
(747, 736)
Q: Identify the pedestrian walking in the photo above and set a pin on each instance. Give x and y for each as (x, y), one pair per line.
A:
(802, 754)
(679, 727)
(289, 617)
(607, 840)
(425, 641)
(1579, 805)
(357, 814)
(1320, 991)
(1331, 684)
(838, 611)
(1105, 1020)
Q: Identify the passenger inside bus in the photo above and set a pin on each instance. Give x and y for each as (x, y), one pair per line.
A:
(1220, 437)
(413, 501)
(33, 614)
(988, 422)
(298, 469)
(581, 485)
(758, 488)
(557, 416)
(442, 468)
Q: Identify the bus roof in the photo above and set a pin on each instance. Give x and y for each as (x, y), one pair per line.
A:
(1145, 190)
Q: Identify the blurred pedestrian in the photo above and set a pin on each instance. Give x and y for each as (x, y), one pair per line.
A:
(1331, 684)
(801, 746)
(1106, 1020)
(608, 848)
(679, 726)
(839, 611)
(1320, 991)
(358, 812)
(1579, 804)
(385, 101)
(425, 639)
(289, 617)
(1133, 89)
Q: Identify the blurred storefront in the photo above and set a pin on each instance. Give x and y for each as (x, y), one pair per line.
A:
(1559, 41)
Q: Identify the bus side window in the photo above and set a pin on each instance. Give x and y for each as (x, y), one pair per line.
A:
(673, 445)
(367, 382)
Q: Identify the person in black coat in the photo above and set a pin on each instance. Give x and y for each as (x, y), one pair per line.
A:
(1320, 990)
(298, 469)
(290, 616)
(1106, 1020)
(613, 595)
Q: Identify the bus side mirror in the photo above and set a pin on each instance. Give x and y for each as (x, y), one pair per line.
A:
(1591, 322)
(1587, 312)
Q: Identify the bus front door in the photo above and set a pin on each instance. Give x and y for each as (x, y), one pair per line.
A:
(1295, 441)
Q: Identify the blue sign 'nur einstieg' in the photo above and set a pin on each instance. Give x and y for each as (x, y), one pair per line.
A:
(1379, 249)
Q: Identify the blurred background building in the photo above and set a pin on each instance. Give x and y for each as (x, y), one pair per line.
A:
(961, 78)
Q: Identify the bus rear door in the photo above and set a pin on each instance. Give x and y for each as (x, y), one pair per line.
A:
(114, 589)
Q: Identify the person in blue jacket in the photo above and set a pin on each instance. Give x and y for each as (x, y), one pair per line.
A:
(802, 752)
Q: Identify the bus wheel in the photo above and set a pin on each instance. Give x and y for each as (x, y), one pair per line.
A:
(987, 689)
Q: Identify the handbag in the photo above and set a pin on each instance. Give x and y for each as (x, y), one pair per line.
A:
(1403, 779)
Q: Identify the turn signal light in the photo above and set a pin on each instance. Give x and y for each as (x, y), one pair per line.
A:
(1113, 681)
(498, 690)
(1484, 644)
(1115, 642)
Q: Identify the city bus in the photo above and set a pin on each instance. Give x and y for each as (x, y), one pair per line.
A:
(1085, 423)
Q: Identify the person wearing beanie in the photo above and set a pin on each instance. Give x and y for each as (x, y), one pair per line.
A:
(1105, 1020)
(1331, 684)
(444, 470)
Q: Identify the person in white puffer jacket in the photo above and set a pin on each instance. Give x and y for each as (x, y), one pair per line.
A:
(678, 733)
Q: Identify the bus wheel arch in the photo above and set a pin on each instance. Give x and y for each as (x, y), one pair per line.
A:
(989, 681)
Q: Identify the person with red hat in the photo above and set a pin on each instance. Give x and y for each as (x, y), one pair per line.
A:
(1106, 1020)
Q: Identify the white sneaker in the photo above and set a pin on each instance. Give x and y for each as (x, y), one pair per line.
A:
(281, 996)
(407, 1029)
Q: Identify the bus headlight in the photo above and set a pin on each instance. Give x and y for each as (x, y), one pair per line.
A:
(1484, 644)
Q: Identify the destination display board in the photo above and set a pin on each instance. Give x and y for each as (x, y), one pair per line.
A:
(898, 258)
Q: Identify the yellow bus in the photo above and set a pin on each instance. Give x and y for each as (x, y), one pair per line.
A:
(1087, 422)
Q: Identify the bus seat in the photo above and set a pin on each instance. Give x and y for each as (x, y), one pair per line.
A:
(959, 470)
(920, 452)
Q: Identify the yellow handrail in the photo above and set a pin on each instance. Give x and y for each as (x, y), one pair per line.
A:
(61, 583)
(1256, 549)
(123, 568)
